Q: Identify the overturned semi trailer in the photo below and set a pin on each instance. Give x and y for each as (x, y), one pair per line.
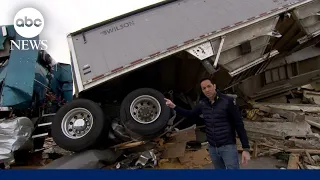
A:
(124, 67)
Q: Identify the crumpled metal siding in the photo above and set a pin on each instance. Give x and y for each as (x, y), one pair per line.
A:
(14, 135)
(19, 90)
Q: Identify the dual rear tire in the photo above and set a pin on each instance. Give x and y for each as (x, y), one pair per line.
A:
(81, 124)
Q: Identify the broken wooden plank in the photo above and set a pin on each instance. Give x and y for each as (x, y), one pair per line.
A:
(300, 165)
(312, 167)
(309, 157)
(184, 135)
(311, 108)
(313, 121)
(127, 145)
(263, 144)
(255, 150)
(310, 151)
(265, 119)
(279, 129)
(176, 145)
(290, 116)
(174, 150)
(316, 158)
(269, 152)
(306, 144)
(311, 97)
(293, 161)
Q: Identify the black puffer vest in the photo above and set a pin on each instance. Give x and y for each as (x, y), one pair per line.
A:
(219, 127)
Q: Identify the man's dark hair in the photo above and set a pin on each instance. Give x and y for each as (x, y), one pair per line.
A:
(206, 78)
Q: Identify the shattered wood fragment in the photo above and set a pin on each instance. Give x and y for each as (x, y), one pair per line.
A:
(279, 130)
(293, 161)
(300, 165)
(265, 119)
(271, 146)
(256, 136)
(311, 97)
(255, 150)
(310, 151)
(306, 160)
(310, 108)
(307, 144)
(312, 167)
(309, 157)
(290, 116)
(314, 124)
(185, 135)
(174, 150)
(313, 121)
(269, 152)
(316, 158)
(127, 145)
(176, 145)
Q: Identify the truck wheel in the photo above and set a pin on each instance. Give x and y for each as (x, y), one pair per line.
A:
(144, 112)
(78, 125)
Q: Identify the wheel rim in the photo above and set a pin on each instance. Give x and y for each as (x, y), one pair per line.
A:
(77, 123)
(145, 109)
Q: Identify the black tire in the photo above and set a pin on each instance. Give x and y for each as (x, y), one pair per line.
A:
(100, 126)
(144, 129)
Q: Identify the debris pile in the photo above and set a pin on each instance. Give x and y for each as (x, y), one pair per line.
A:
(181, 150)
(285, 126)
(176, 150)
(288, 130)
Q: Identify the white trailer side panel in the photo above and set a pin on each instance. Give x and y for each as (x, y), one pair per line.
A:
(109, 47)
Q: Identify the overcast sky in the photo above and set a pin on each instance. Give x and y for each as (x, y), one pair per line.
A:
(64, 16)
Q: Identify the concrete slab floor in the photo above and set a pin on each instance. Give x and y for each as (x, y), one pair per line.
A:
(260, 163)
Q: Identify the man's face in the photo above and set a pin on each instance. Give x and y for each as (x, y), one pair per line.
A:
(208, 89)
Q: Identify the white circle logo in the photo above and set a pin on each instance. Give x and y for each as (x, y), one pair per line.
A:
(28, 22)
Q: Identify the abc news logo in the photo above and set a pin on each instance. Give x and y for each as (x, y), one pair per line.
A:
(29, 23)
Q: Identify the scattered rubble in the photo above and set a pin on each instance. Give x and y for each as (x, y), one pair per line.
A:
(288, 130)
(177, 150)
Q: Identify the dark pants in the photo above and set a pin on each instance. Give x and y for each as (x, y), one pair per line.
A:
(224, 157)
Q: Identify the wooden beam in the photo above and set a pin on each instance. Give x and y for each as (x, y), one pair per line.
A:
(293, 162)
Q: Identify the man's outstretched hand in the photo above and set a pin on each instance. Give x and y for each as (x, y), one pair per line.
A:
(169, 103)
(245, 158)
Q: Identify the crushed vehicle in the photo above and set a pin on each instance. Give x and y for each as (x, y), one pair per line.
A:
(124, 67)
(33, 87)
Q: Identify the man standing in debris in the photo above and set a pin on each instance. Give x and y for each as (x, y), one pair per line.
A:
(222, 119)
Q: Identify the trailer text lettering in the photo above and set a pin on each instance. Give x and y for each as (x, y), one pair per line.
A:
(117, 28)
